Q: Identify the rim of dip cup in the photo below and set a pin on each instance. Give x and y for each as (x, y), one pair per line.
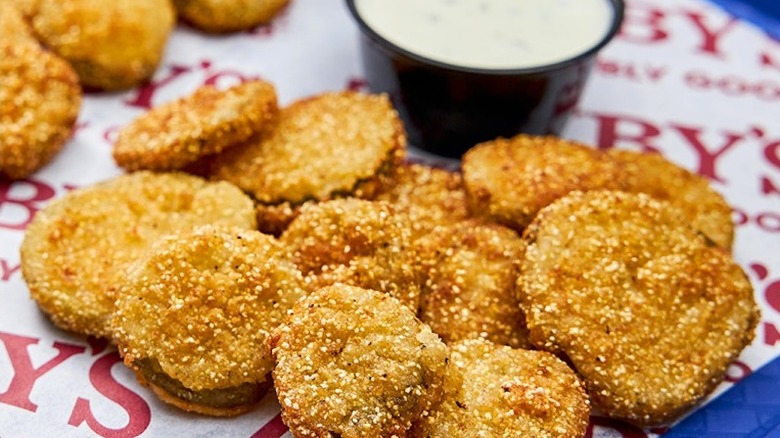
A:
(618, 8)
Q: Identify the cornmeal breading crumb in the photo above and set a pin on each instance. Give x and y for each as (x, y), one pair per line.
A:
(497, 391)
(510, 180)
(200, 305)
(210, 120)
(40, 99)
(322, 147)
(429, 195)
(77, 248)
(111, 45)
(469, 290)
(358, 242)
(353, 363)
(649, 312)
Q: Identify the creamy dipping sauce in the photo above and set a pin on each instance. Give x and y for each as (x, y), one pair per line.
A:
(490, 34)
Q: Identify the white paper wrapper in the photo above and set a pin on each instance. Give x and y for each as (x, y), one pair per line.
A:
(682, 78)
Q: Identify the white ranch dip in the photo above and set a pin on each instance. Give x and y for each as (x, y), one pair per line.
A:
(490, 34)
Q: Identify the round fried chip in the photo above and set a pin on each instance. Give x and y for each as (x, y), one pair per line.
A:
(469, 290)
(326, 146)
(431, 196)
(111, 44)
(194, 314)
(705, 208)
(355, 363)
(40, 99)
(647, 310)
(510, 180)
(228, 15)
(177, 134)
(504, 392)
(13, 28)
(77, 248)
(362, 243)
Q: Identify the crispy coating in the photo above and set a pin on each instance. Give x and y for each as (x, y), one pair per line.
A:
(177, 134)
(326, 146)
(505, 392)
(648, 311)
(706, 209)
(361, 243)
(431, 196)
(39, 101)
(111, 44)
(77, 248)
(199, 308)
(470, 274)
(13, 28)
(218, 16)
(353, 363)
(510, 180)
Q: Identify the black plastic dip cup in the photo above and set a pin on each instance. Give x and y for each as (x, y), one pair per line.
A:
(448, 108)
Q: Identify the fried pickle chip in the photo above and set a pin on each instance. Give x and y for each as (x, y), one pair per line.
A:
(228, 15)
(358, 242)
(111, 44)
(509, 180)
(177, 134)
(431, 196)
(353, 363)
(76, 249)
(469, 290)
(330, 145)
(194, 314)
(13, 28)
(40, 99)
(505, 392)
(648, 311)
(706, 209)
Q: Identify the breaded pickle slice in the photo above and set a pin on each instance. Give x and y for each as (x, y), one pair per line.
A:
(431, 196)
(228, 15)
(358, 242)
(326, 146)
(77, 248)
(353, 363)
(469, 290)
(497, 391)
(649, 312)
(194, 314)
(706, 209)
(111, 45)
(13, 28)
(206, 122)
(40, 99)
(510, 180)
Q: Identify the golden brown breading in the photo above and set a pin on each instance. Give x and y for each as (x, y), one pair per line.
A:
(355, 363)
(706, 209)
(208, 121)
(40, 99)
(194, 314)
(358, 242)
(469, 290)
(431, 196)
(509, 180)
(326, 146)
(504, 392)
(649, 312)
(228, 15)
(76, 249)
(13, 28)
(111, 44)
